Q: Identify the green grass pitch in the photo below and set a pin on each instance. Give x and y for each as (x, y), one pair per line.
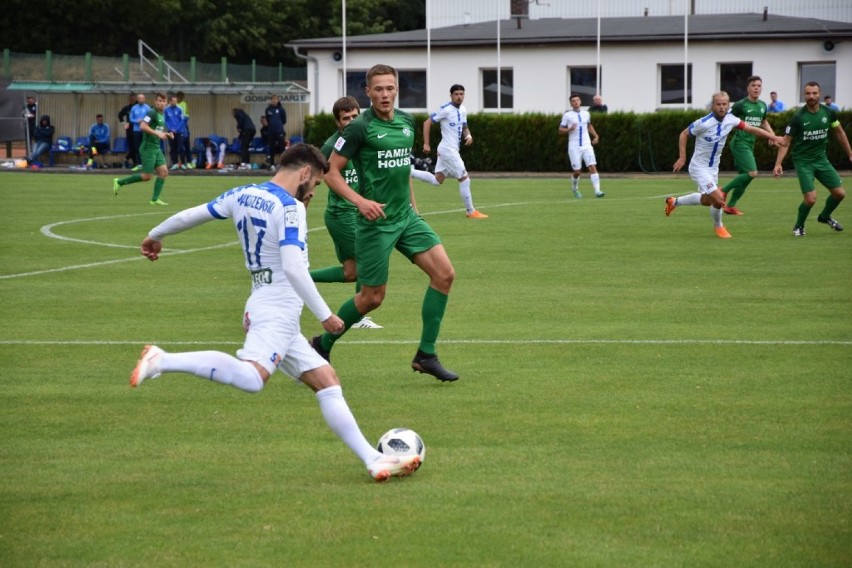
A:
(634, 391)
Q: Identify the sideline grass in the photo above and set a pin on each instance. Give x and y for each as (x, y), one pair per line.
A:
(634, 392)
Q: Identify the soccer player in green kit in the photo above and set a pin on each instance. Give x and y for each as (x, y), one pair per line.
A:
(752, 111)
(379, 143)
(341, 217)
(153, 127)
(808, 130)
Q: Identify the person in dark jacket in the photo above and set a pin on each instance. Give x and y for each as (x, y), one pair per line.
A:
(124, 119)
(276, 118)
(42, 138)
(246, 131)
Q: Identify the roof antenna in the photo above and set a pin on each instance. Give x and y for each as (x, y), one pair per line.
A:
(765, 13)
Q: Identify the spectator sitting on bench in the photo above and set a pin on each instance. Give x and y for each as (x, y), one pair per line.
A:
(99, 141)
(42, 138)
(212, 145)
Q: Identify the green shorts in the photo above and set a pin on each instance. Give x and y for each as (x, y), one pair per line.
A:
(342, 227)
(410, 236)
(151, 160)
(743, 158)
(820, 169)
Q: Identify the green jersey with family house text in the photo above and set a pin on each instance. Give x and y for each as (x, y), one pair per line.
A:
(337, 204)
(156, 121)
(381, 152)
(809, 131)
(753, 114)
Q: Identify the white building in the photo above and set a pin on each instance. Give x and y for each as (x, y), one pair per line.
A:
(640, 61)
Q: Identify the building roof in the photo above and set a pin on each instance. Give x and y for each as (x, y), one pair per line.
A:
(584, 30)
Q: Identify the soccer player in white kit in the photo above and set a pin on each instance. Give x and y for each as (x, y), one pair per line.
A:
(577, 124)
(710, 133)
(270, 219)
(452, 117)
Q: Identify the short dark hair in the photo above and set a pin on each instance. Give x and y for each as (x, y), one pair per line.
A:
(813, 84)
(99, 116)
(161, 95)
(575, 95)
(456, 87)
(753, 78)
(300, 155)
(344, 104)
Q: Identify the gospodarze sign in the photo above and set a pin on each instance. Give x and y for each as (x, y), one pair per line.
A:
(289, 98)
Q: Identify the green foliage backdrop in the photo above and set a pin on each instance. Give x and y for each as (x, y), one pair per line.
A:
(629, 142)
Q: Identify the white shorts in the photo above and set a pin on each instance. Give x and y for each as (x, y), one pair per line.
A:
(450, 164)
(577, 156)
(273, 336)
(705, 179)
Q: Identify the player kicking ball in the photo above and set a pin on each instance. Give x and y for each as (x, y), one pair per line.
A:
(270, 219)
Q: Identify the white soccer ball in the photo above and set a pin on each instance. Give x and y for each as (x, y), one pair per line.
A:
(402, 442)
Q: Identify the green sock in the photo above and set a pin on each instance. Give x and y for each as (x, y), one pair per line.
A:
(804, 211)
(737, 187)
(158, 188)
(434, 306)
(350, 316)
(132, 178)
(830, 205)
(330, 274)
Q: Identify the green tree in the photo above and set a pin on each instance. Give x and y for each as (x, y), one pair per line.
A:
(241, 30)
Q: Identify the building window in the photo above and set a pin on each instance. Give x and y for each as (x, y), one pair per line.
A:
(412, 88)
(584, 81)
(732, 79)
(671, 84)
(489, 88)
(822, 73)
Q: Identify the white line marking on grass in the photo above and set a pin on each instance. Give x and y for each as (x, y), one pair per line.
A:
(47, 230)
(462, 342)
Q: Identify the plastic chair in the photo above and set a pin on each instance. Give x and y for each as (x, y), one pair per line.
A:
(61, 146)
(234, 147)
(257, 146)
(120, 146)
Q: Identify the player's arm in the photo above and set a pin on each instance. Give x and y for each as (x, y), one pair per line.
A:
(782, 153)
(371, 210)
(595, 136)
(177, 223)
(146, 128)
(427, 127)
(299, 278)
(566, 127)
(770, 135)
(768, 127)
(466, 135)
(681, 150)
(840, 134)
(411, 195)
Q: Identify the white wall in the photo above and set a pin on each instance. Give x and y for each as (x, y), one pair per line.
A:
(444, 13)
(629, 72)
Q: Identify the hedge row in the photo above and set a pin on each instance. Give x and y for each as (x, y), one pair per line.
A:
(629, 142)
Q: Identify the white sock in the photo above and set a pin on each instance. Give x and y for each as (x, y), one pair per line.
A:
(209, 156)
(339, 418)
(716, 214)
(596, 182)
(691, 199)
(575, 182)
(428, 177)
(464, 193)
(214, 366)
